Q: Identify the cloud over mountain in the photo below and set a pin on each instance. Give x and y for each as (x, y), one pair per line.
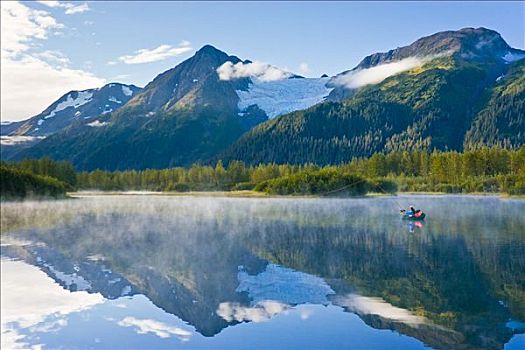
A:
(357, 78)
(259, 70)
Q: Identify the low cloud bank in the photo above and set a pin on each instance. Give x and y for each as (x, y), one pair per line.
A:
(374, 75)
(259, 70)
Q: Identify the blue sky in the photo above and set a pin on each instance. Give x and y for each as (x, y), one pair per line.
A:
(96, 42)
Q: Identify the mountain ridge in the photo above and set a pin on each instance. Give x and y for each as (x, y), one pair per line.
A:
(434, 105)
(189, 114)
(184, 115)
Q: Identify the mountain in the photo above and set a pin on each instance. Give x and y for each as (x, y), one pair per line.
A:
(473, 44)
(74, 107)
(7, 127)
(501, 120)
(448, 91)
(185, 115)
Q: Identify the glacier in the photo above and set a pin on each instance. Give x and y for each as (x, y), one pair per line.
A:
(283, 96)
(284, 285)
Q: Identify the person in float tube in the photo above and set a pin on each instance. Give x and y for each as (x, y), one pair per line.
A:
(412, 211)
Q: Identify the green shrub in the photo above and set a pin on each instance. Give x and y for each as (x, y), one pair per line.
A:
(15, 183)
(513, 184)
(181, 187)
(382, 186)
(243, 186)
(327, 181)
(447, 188)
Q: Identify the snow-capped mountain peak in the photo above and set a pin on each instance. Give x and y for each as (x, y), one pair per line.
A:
(76, 106)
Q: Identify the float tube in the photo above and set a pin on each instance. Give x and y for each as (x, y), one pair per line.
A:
(409, 216)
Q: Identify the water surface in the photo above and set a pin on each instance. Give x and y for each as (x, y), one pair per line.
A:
(185, 272)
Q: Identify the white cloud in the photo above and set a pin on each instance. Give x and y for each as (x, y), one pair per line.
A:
(160, 329)
(305, 314)
(376, 306)
(259, 70)
(157, 54)
(30, 82)
(68, 7)
(304, 68)
(15, 140)
(53, 56)
(262, 311)
(21, 24)
(120, 77)
(77, 8)
(24, 307)
(29, 85)
(374, 75)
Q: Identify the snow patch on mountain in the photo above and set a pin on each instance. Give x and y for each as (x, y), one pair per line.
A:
(283, 96)
(69, 279)
(97, 123)
(127, 91)
(114, 99)
(125, 291)
(511, 57)
(82, 98)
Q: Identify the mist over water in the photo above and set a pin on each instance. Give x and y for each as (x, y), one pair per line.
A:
(196, 272)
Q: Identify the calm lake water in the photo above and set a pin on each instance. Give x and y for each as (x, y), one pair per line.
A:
(158, 272)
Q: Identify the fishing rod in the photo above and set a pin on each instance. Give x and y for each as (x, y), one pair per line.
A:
(342, 188)
(400, 207)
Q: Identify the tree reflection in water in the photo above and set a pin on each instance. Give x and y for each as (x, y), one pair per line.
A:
(451, 282)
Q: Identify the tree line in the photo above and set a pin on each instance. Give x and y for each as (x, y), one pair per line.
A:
(16, 183)
(493, 169)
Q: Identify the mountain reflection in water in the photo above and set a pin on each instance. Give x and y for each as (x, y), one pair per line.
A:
(146, 272)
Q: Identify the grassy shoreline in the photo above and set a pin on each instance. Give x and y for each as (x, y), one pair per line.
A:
(255, 194)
